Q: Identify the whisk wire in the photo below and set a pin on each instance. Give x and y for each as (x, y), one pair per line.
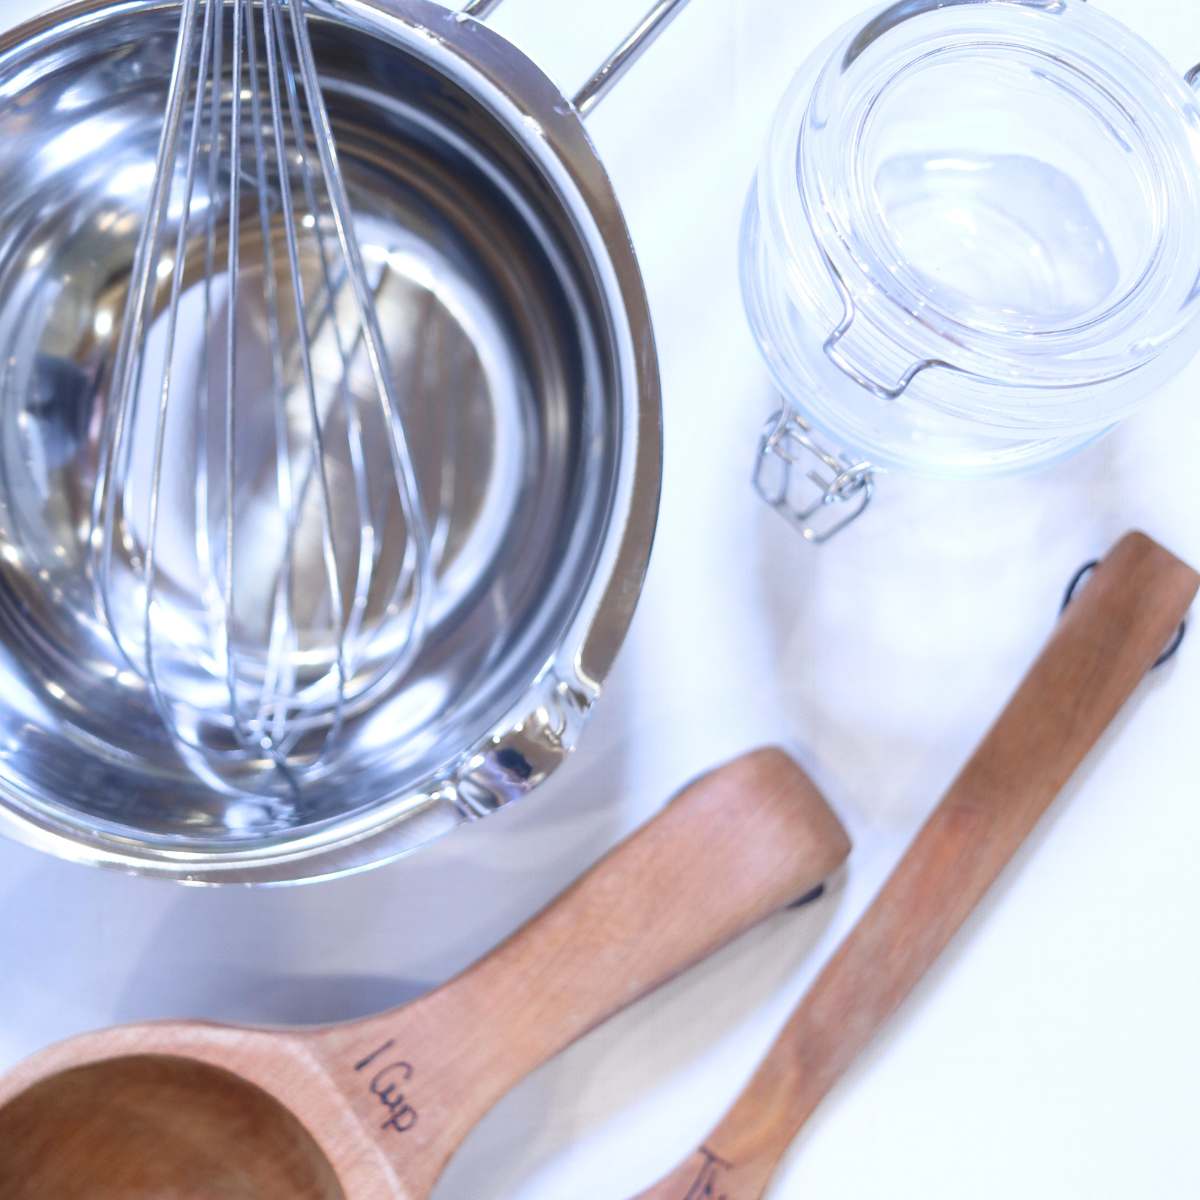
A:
(149, 573)
(369, 546)
(409, 489)
(210, 587)
(278, 673)
(117, 416)
(285, 700)
(329, 545)
(230, 446)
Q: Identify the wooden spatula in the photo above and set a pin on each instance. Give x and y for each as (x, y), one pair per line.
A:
(374, 1109)
(1107, 641)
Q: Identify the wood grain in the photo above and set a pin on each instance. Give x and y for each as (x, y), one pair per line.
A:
(1100, 652)
(156, 1127)
(730, 849)
(372, 1110)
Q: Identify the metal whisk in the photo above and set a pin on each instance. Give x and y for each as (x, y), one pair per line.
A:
(253, 451)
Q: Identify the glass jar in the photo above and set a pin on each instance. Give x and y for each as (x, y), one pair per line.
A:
(971, 246)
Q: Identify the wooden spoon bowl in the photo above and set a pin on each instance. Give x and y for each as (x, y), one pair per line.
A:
(158, 1125)
(373, 1110)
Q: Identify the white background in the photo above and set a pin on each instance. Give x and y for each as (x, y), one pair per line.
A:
(1054, 1053)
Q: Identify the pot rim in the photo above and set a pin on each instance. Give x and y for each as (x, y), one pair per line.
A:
(540, 730)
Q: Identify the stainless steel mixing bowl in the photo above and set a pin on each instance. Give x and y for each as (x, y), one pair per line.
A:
(482, 202)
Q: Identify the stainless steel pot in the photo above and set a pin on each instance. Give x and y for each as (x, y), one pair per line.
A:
(474, 182)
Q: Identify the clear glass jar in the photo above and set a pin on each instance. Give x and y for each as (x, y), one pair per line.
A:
(971, 245)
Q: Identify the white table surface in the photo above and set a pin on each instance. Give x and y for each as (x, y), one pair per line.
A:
(1055, 1051)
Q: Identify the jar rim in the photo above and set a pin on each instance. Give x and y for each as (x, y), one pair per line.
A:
(886, 321)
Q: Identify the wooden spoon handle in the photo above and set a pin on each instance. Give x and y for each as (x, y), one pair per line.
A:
(733, 847)
(1104, 645)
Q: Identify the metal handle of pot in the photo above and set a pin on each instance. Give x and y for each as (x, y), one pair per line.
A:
(816, 489)
(640, 40)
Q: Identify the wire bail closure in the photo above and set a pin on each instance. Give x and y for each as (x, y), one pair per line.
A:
(786, 447)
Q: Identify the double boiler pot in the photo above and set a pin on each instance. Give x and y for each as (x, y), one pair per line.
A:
(970, 246)
(516, 326)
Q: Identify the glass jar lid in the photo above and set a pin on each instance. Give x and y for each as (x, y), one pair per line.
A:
(991, 206)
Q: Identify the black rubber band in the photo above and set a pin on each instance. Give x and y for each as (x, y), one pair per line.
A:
(1083, 572)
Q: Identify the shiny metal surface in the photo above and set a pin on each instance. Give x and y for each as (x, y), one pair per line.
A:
(481, 8)
(481, 203)
(284, 612)
(817, 491)
(627, 53)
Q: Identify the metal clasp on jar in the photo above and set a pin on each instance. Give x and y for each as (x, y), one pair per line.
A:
(791, 462)
(843, 484)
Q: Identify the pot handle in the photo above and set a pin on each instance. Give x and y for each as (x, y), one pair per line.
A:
(618, 62)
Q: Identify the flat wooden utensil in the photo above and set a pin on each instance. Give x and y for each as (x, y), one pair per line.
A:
(1106, 642)
(374, 1109)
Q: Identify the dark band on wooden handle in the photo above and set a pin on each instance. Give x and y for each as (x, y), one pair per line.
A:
(740, 843)
(1106, 641)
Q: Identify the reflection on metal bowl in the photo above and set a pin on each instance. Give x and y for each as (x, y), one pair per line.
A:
(516, 327)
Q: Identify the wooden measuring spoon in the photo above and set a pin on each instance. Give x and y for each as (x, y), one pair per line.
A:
(1106, 642)
(373, 1110)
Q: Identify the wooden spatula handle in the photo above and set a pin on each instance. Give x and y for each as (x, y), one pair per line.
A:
(1106, 642)
(733, 847)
